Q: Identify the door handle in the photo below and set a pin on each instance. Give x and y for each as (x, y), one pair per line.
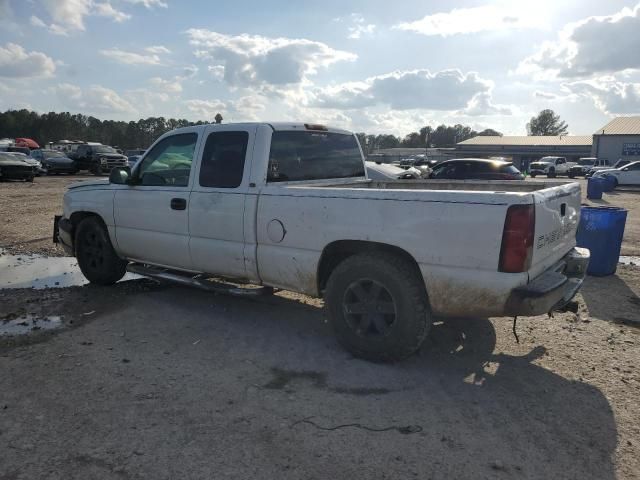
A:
(178, 204)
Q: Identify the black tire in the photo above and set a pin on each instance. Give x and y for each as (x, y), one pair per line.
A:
(571, 175)
(533, 175)
(551, 174)
(395, 316)
(96, 170)
(29, 179)
(97, 259)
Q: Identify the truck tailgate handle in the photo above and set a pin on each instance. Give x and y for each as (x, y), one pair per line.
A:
(178, 204)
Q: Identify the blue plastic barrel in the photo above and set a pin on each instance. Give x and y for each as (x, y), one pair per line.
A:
(610, 183)
(595, 186)
(601, 230)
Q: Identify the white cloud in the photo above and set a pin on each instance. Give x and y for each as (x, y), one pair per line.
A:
(254, 59)
(16, 62)
(216, 71)
(591, 46)
(36, 22)
(131, 58)
(166, 86)
(105, 9)
(477, 19)
(482, 105)
(95, 98)
(610, 95)
(157, 49)
(205, 109)
(406, 90)
(545, 95)
(358, 26)
(69, 15)
(190, 71)
(149, 3)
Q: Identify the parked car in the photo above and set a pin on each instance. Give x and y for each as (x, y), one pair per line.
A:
(585, 165)
(551, 167)
(386, 171)
(54, 161)
(98, 159)
(133, 159)
(618, 164)
(137, 152)
(626, 175)
(13, 167)
(31, 161)
(476, 169)
(290, 206)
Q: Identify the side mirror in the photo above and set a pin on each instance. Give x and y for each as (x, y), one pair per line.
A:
(120, 175)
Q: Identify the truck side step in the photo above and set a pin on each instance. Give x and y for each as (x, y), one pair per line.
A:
(198, 281)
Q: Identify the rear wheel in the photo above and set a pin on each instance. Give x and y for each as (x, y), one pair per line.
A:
(97, 259)
(378, 306)
(533, 175)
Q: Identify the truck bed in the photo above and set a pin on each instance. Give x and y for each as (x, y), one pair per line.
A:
(491, 186)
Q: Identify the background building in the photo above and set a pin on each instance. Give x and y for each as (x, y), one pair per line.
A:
(526, 149)
(619, 139)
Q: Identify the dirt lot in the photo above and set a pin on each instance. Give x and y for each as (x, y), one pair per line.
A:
(158, 381)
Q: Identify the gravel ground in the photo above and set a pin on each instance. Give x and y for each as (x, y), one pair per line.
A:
(148, 380)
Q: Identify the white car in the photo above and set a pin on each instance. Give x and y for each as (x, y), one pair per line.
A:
(551, 167)
(289, 205)
(386, 171)
(627, 175)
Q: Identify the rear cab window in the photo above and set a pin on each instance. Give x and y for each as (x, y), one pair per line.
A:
(313, 155)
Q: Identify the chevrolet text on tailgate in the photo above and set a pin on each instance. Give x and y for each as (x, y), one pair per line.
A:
(289, 206)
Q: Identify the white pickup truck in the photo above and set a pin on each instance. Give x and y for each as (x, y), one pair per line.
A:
(551, 167)
(289, 206)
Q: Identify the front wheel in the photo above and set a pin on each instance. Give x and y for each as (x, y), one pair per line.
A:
(551, 174)
(97, 259)
(378, 306)
(96, 170)
(533, 175)
(571, 175)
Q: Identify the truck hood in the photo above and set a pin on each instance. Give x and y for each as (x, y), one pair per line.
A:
(89, 183)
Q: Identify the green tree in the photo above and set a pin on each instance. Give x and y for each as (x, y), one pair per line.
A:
(489, 132)
(547, 123)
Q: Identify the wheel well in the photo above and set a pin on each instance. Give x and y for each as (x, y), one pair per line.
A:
(77, 217)
(336, 252)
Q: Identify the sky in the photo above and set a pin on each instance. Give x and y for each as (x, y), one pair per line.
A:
(366, 65)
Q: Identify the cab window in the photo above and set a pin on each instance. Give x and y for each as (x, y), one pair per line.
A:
(169, 162)
(223, 159)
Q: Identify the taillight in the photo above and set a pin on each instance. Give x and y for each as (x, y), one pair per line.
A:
(517, 239)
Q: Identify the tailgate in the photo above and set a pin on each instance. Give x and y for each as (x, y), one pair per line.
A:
(557, 216)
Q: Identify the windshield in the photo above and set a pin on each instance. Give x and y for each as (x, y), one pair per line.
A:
(312, 155)
(104, 149)
(586, 163)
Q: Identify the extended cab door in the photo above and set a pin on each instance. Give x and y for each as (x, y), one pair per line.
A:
(152, 216)
(222, 200)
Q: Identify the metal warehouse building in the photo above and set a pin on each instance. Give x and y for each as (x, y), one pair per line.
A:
(619, 139)
(526, 149)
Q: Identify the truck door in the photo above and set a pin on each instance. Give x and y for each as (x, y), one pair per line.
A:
(221, 201)
(152, 216)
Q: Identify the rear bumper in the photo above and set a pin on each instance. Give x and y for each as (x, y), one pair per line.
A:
(553, 289)
(63, 234)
